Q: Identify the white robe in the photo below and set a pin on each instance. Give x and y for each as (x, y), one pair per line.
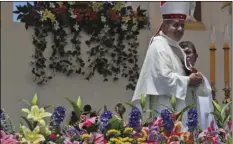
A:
(205, 106)
(162, 75)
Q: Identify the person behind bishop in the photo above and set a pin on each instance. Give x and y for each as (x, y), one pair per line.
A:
(163, 73)
(204, 104)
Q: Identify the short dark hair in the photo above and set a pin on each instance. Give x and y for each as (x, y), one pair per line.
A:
(188, 44)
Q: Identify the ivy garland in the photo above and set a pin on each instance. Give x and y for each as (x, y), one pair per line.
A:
(113, 29)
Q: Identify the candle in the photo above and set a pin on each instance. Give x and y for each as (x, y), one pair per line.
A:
(226, 49)
(212, 57)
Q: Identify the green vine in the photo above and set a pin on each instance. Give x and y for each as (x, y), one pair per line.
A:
(113, 29)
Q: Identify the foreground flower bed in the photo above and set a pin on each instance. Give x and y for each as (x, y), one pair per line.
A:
(105, 127)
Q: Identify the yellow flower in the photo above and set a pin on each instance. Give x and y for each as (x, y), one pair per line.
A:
(128, 130)
(125, 139)
(115, 141)
(48, 15)
(84, 136)
(113, 132)
(118, 6)
(126, 19)
(37, 114)
(44, 129)
(60, 3)
(32, 137)
(96, 6)
(144, 136)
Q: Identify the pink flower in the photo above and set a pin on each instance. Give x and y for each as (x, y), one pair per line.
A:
(69, 142)
(99, 138)
(87, 123)
(158, 122)
(7, 139)
(229, 124)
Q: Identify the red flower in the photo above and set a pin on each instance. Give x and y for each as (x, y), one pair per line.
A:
(76, 11)
(114, 15)
(52, 136)
(92, 15)
(61, 10)
(87, 124)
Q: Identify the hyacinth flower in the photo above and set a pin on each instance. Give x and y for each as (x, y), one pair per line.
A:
(192, 120)
(134, 118)
(6, 123)
(57, 117)
(104, 118)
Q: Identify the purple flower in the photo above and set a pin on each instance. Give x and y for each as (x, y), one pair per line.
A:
(104, 118)
(134, 118)
(58, 116)
(168, 122)
(192, 120)
(2, 115)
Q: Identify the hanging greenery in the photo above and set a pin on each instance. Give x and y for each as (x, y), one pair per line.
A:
(112, 28)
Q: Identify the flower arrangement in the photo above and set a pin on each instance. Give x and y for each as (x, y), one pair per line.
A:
(90, 127)
(112, 28)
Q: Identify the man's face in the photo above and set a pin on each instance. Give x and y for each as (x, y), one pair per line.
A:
(175, 29)
(190, 55)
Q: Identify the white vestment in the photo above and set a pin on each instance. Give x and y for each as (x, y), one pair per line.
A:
(205, 106)
(162, 75)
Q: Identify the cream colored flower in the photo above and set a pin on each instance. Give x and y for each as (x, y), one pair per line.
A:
(32, 137)
(37, 114)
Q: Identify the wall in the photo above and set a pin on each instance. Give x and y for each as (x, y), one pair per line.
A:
(17, 48)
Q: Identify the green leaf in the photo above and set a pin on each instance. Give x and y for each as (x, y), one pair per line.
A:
(48, 106)
(76, 108)
(216, 106)
(79, 102)
(115, 123)
(105, 108)
(16, 12)
(30, 125)
(98, 112)
(34, 99)
(143, 101)
(225, 108)
(130, 104)
(26, 102)
(226, 119)
(173, 102)
(217, 116)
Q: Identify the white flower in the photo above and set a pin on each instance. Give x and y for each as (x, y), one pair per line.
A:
(73, 16)
(103, 19)
(124, 27)
(76, 27)
(71, 11)
(134, 28)
(51, 5)
(56, 25)
(106, 28)
(71, 3)
(128, 12)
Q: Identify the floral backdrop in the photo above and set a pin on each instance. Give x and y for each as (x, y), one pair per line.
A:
(113, 30)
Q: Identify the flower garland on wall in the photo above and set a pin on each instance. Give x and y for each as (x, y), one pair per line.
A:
(113, 28)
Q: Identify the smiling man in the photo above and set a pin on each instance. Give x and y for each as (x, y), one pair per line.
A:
(204, 104)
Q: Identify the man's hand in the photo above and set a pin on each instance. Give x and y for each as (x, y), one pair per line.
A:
(195, 79)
